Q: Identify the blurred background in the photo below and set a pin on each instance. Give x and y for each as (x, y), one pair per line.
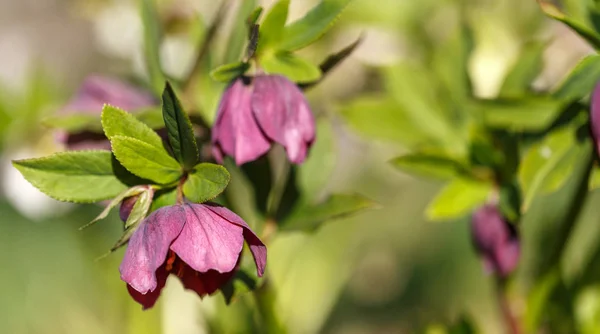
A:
(387, 270)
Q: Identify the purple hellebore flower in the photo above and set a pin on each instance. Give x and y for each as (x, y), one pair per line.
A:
(496, 240)
(94, 93)
(251, 116)
(199, 243)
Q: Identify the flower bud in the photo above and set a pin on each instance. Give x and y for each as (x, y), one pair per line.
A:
(126, 207)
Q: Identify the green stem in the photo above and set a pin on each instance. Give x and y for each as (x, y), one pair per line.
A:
(510, 320)
(280, 180)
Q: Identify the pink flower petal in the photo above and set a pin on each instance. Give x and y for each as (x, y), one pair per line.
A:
(148, 247)
(208, 241)
(283, 114)
(258, 249)
(235, 131)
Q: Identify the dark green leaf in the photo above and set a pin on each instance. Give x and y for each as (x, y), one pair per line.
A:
(75, 176)
(179, 129)
(205, 182)
(308, 217)
(152, 40)
(430, 164)
(293, 67)
(458, 198)
(145, 160)
(271, 29)
(526, 114)
(525, 69)
(228, 72)
(581, 81)
(117, 122)
(586, 33)
(74, 122)
(313, 25)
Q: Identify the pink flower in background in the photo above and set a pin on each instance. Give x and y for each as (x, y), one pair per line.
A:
(253, 115)
(496, 240)
(199, 243)
(94, 93)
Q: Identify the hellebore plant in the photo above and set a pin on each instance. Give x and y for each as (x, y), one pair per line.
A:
(160, 187)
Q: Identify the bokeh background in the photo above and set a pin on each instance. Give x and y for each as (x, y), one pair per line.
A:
(387, 270)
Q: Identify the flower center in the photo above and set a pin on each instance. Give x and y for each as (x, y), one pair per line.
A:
(174, 264)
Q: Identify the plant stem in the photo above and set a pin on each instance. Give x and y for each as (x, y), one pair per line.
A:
(510, 320)
(280, 180)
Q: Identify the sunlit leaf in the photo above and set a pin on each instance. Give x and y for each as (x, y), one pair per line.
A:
(205, 182)
(271, 28)
(117, 122)
(431, 164)
(458, 198)
(228, 72)
(293, 67)
(531, 113)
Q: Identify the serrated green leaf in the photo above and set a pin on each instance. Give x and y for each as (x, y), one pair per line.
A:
(525, 114)
(152, 40)
(146, 161)
(140, 209)
(293, 67)
(430, 164)
(381, 117)
(228, 72)
(581, 80)
(205, 182)
(586, 33)
(74, 176)
(525, 69)
(313, 25)
(117, 122)
(271, 29)
(458, 198)
(114, 202)
(308, 217)
(179, 129)
(548, 164)
(74, 122)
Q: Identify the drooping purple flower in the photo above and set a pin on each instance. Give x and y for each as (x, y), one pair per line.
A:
(199, 243)
(94, 93)
(253, 115)
(496, 240)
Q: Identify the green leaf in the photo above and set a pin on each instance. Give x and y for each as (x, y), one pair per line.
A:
(228, 72)
(586, 33)
(271, 29)
(179, 129)
(140, 209)
(237, 37)
(313, 25)
(293, 67)
(74, 122)
(116, 201)
(164, 197)
(595, 178)
(74, 176)
(458, 198)
(430, 164)
(308, 217)
(527, 114)
(205, 182)
(525, 69)
(381, 117)
(117, 122)
(152, 40)
(145, 160)
(510, 201)
(548, 164)
(581, 81)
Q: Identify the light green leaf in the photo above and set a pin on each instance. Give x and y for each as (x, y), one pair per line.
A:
(116, 201)
(74, 122)
(548, 164)
(152, 40)
(308, 217)
(179, 129)
(431, 164)
(271, 29)
(581, 81)
(586, 33)
(238, 33)
(525, 69)
(458, 198)
(146, 161)
(532, 113)
(205, 182)
(228, 72)
(74, 176)
(293, 67)
(140, 209)
(595, 178)
(117, 122)
(313, 25)
(381, 117)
